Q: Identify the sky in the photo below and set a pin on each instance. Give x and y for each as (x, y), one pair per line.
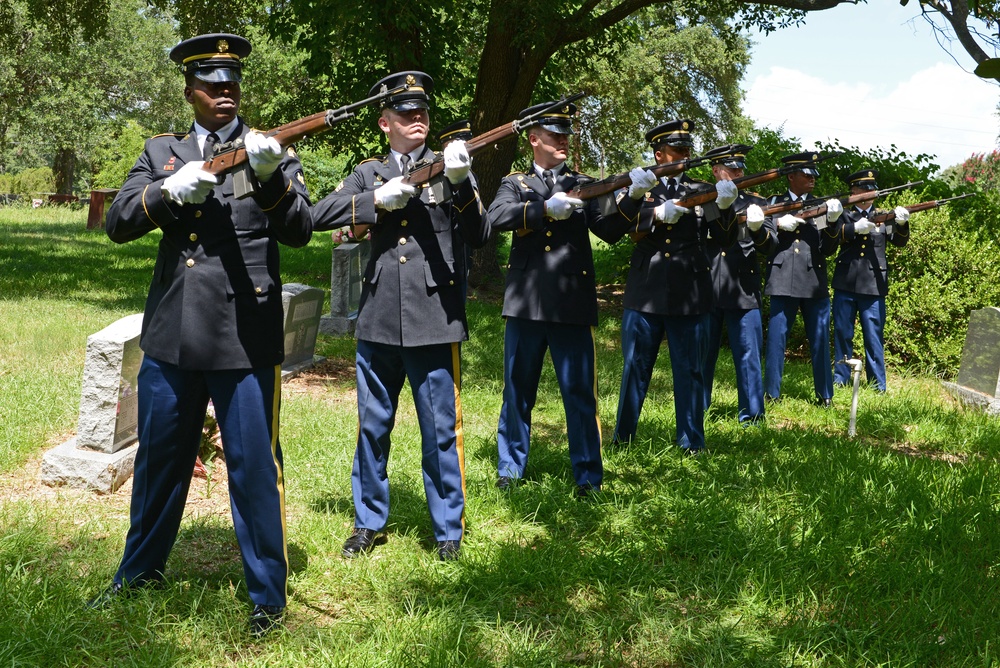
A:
(872, 75)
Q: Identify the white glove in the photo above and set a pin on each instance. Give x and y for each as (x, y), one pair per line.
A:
(788, 223)
(643, 181)
(727, 193)
(833, 210)
(560, 206)
(394, 194)
(755, 217)
(864, 226)
(264, 154)
(457, 162)
(902, 215)
(669, 212)
(189, 185)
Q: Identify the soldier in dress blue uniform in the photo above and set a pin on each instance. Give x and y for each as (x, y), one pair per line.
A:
(796, 279)
(668, 291)
(737, 286)
(550, 301)
(411, 318)
(861, 281)
(213, 326)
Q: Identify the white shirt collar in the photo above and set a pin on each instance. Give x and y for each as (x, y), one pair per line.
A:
(222, 133)
(414, 155)
(556, 171)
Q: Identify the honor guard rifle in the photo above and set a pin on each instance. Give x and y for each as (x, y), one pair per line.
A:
(849, 200)
(430, 171)
(590, 189)
(889, 216)
(232, 155)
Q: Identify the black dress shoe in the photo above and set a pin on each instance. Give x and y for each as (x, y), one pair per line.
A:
(114, 592)
(694, 452)
(772, 400)
(362, 540)
(585, 491)
(504, 482)
(118, 591)
(448, 550)
(264, 618)
(824, 403)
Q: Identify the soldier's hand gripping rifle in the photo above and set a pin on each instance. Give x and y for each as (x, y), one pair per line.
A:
(590, 189)
(741, 182)
(849, 200)
(889, 216)
(431, 171)
(232, 156)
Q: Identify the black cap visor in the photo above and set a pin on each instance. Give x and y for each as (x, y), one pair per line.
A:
(219, 74)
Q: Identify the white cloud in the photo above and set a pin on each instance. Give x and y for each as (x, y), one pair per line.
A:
(940, 110)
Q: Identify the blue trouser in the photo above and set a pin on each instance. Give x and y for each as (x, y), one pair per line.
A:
(870, 311)
(687, 340)
(574, 356)
(172, 404)
(746, 339)
(816, 316)
(435, 375)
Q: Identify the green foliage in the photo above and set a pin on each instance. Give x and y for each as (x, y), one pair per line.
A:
(980, 171)
(28, 182)
(323, 171)
(938, 279)
(72, 101)
(115, 158)
(673, 70)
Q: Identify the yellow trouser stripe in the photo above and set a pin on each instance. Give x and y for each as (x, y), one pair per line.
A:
(456, 368)
(275, 411)
(597, 412)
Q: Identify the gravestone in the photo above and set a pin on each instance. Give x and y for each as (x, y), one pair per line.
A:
(303, 307)
(102, 454)
(978, 381)
(347, 271)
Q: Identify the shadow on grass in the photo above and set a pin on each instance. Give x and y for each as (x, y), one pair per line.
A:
(64, 260)
(774, 548)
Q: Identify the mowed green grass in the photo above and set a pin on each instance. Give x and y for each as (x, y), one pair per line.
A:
(789, 545)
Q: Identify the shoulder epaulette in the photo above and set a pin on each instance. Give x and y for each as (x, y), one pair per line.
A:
(170, 134)
(380, 158)
(516, 173)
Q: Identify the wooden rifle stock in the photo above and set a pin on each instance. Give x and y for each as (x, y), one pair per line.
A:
(233, 156)
(592, 189)
(889, 216)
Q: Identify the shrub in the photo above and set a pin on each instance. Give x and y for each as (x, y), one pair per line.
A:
(115, 158)
(29, 183)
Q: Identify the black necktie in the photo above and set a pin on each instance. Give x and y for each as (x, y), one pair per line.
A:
(404, 163)
(547, 177)
(671, 188)
(210, 141)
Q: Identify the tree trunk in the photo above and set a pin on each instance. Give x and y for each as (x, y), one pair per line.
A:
(507, 77)
(63, 170)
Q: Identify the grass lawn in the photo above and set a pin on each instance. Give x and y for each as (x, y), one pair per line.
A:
(789, 545)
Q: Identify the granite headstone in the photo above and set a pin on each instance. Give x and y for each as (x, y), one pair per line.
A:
(346, 279)
(979, 374)
(303, 307)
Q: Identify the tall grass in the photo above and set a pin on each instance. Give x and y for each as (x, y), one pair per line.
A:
(789, 545)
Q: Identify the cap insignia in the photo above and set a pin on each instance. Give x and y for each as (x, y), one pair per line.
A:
(684, 125)
(815, 156)
(410, 80)
(222, 45)
(870, 175)
(565, 110)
